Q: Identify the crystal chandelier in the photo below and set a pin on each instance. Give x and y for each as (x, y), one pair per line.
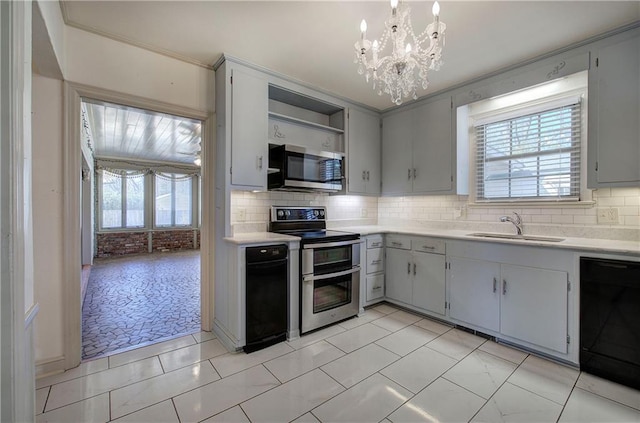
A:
(401, 72)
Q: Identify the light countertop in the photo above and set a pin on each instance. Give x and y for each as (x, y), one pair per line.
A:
(260, 237)
(581, 244)
(578, 244)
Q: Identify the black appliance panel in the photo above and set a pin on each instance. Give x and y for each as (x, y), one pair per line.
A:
(266, 296)
(609, 319)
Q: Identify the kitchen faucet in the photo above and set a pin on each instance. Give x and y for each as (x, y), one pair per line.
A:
(517, 222)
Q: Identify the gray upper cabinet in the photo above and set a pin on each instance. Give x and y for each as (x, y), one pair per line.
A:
(363, 176)
(397, 134)
(249, 147)
(417, 150)
(614, 114)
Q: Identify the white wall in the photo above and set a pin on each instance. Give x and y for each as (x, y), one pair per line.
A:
(52, 16)
(104, 63)
(47, 215)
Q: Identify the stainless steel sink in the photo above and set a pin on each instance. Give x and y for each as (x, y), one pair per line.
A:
(518, 237)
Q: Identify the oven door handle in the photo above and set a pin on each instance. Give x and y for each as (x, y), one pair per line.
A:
(311, 278)
(331, 244)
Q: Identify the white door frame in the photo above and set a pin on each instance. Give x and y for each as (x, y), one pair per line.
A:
(73, 94)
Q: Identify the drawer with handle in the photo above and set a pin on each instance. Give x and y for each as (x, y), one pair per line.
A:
(429, 245)
(399, 241)
(375, 241)
(375, 287)
(375, 260)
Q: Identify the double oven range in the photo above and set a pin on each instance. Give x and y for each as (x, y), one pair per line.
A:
(329, 266)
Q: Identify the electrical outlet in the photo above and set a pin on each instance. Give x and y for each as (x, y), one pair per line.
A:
(608, 215)
(363, 212)
(242, 214)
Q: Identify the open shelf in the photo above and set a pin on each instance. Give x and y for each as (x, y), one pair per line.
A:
(305, 122)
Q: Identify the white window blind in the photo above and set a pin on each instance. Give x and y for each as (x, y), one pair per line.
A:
(534, 156)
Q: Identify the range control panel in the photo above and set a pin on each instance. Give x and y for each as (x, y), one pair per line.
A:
(298, 214)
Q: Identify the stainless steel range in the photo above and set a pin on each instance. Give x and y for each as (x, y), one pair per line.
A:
(329, 266)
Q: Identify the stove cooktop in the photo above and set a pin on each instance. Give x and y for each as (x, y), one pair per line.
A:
(324, 235)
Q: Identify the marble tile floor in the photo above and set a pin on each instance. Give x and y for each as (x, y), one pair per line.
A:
(385, 366)
(136, 300)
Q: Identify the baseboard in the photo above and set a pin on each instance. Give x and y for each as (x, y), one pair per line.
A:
(223, 337)
(49, 367)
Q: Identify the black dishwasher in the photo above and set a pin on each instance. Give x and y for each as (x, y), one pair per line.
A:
(610, 319)
(266, 296)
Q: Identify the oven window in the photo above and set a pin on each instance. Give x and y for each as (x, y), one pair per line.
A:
(332, 259)
(331, 293)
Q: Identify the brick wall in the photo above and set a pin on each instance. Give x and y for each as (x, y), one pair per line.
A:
(172, 240)
(111, 244)
(121, 243)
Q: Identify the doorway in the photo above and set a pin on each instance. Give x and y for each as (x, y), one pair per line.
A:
(140, 220)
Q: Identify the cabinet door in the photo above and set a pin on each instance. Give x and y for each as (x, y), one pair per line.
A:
(375, 286)
(399, 268)
(432, 147)
(363, 153)
(397, 177)
(249, 130)
(429, 282)
(474, 292)
(534, 306)
(614, 107)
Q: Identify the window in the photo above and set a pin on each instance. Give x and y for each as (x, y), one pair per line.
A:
(173, 200)
(122, 199)
(531, 156)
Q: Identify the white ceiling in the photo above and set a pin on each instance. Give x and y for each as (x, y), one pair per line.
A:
(128, 133)
(313, 40)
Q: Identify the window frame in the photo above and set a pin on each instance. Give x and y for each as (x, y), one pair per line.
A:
(535, 99)
(123, 208)
(569, 104)
(195, 203)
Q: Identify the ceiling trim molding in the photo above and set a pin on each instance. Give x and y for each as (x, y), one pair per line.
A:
(87, 91)
(129, 41)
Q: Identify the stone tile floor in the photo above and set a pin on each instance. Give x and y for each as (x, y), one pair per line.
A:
(385, 366)
(140, 299)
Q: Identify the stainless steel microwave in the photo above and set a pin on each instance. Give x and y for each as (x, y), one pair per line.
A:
(296, 168)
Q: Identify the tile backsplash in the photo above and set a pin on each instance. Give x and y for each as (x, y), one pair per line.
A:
(250, 212)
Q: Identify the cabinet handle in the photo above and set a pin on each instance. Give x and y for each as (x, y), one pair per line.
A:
(376, 261)
(409, 174)
(396, 243)
(414, 173)
(375, 288)
(428, 247)
(495, 284)
(504, 287)
(408, 268)
(375, 244)
(367, 175)
(364, 175)
(414, 269)
(260, 162)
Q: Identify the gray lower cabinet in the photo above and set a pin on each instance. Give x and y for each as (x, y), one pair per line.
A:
(374, 267)
(416, 274)
(524, 303)
(614, 111)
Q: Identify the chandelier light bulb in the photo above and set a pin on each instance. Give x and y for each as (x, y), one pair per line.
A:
(394, 4)
(435, 9)
(363, 27)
